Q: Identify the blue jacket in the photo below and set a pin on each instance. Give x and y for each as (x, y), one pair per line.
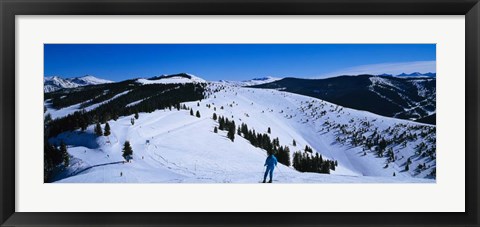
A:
(271, 161)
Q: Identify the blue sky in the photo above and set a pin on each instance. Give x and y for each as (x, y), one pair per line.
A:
(234, 61)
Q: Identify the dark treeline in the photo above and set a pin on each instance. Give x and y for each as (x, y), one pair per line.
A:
(260, 140)
(88, 95)
(305, 162)
(263, 141)
(53, 157)
(227, 125)
(104, 97)
(154, 96)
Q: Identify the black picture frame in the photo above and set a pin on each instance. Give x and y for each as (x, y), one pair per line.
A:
(10, 8)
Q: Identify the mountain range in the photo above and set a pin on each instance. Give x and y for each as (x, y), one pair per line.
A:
(415, 74)
(55, 83)
(404, 97)
(251, 82)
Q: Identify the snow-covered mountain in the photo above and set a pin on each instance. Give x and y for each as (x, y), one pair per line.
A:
(405, 97)
(173, 145)
(251, 82)
(55, 83)
(415, 74)
(180, 78)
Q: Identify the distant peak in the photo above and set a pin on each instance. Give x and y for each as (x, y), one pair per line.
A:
(417, 74)
(87, 77)
(414, 74)
(385, 74)
(263, 78)
(54, 83)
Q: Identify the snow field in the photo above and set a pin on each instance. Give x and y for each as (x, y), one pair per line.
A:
(174, 147)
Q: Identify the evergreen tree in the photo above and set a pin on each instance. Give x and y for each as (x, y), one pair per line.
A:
(308, 149)
(191, 112)
(381, 147)
(269, 130)
(215, 130)
(197, 114)
(115, 116)
(83, 125)
(231, 131)
(65, 156)
(294, 143)
(132, 121)
(136, 115)
(283, 155)
(221, 123)
(433, 173)
(98, 129)
(214, 116)
(106, 131)
(127, 151)
(48, 118)
(47, 166)
(393, 173)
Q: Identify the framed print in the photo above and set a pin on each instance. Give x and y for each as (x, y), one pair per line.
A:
(240, 113)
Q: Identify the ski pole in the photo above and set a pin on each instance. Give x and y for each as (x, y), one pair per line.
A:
(281, 172)
(263, 172)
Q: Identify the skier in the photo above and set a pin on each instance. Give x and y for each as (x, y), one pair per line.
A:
(270, 163)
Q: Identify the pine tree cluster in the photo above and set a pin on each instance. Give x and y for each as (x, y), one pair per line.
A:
(227, 125)
(263, 141)
(308, 149)
(52, 157)
(306, 162)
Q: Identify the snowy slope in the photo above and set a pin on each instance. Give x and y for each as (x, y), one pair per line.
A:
(55, 83)
(89, 80)
(412, 108)
(170, 146)
(254, 81)
(409, 98)
(59, 113)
